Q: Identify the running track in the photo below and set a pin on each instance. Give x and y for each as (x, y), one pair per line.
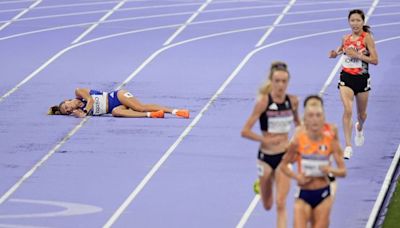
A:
(207, 56)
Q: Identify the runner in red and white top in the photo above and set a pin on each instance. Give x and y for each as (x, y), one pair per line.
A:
(358, 49)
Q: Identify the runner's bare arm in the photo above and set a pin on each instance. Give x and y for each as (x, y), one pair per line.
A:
(338, 51)
(84, 94)
(247, 128)
(290, 157)
(340, 171)
(373, 57)
(295, 102)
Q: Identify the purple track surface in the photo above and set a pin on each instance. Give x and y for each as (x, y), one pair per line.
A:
(211, 67)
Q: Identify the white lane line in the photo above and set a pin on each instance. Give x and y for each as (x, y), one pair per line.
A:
(110, 2)
(388, 39)
(276, 22)
(197, 13)
(60, 53)
(158, 52)
(120, 10)
(56, 56)
(107, 15)
(65, 139)
(201, 22)
(250, 209)
(14, 188)
(20, 226)
(52, 16)
(73, 131)
(338, 64)
(389, 175)
(327, 83)
(181, 4)
(69, 209)
(382, 193)
(15, 18)
(155, 168)
(268, 45)
(248, 212)
(274, 6)
(79, 25)
(43, 66)
(69, 6)
(60, 6)
(13, 2)
(172, 148)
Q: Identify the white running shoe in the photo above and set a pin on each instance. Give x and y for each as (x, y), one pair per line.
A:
(359, 137)
(348, 152)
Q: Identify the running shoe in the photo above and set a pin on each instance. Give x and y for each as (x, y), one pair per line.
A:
(183, 113)
(348, 152)
(158, 114)
(359, 137)
(256, 187)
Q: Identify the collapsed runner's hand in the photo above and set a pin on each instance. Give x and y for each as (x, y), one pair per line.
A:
(78, 113)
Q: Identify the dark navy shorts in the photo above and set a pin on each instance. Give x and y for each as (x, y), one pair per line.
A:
(113, 100)
(314, 197)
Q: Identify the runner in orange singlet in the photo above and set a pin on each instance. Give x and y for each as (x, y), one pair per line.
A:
(312, 148)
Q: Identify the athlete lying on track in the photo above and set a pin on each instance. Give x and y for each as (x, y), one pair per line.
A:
(119, 103)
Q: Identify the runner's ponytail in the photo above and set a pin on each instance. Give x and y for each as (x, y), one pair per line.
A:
(54, 110)
(367, 28)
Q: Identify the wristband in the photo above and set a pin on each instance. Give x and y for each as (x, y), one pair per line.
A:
(88, 113)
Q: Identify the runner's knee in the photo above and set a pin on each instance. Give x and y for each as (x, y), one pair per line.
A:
(280, 203)
(267, 205)
(321, 221)
(140, 108)
(117, 112)
(348, 112)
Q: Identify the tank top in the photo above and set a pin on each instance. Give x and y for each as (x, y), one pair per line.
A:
(100, 102)
(328, 131)
(313, 154)
(355, 66)
(277, 118)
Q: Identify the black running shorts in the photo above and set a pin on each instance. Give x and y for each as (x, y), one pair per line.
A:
(357, 83)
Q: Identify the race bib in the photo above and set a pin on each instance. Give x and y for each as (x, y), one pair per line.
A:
(100, 104)
(311, 168)
(280, 124)
(348, 62)
(260, 170)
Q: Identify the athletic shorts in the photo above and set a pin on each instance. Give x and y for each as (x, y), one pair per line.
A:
(314, 197)
(272, 160)
(357, 83)
(113, 101)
